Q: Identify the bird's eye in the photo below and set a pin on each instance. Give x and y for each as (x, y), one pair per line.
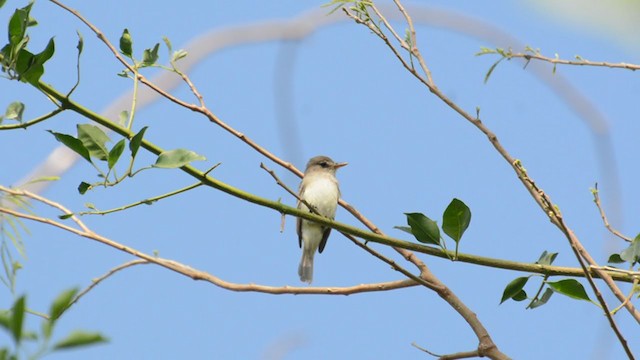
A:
(324, 164)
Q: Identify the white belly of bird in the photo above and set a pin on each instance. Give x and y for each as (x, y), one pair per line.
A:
(323, 194)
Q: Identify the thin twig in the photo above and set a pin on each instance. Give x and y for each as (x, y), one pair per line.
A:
(578, 62)
(596, 199)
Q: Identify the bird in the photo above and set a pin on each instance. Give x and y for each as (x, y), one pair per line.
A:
(319, 188)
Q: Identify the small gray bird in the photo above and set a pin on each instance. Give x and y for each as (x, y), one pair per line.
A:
(319, 188)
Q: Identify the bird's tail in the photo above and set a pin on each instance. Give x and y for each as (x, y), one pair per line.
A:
(305, 269)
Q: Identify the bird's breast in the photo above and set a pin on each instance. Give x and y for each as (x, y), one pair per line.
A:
(322, 193)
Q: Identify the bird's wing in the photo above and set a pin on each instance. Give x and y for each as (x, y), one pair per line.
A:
(323, 242)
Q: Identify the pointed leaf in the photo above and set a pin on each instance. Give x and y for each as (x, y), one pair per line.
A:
(150, 56)
(73, 144)
(404, 228)
(571, 288)
(456, 219)
(176, 158)
(424, 229)
(80, 338)
(94, 140)
(61, 303)
(114, 154)
(546, 258)
(543, 299)
(17, 319)
(126, 44)
(520, 296)
(136, 141)
(513, 288)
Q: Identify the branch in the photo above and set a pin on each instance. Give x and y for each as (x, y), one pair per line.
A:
(578, 62)
(596, 199)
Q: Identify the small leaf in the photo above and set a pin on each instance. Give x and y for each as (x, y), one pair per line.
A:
(456, 219)
(632, 253)
(73, 144)
(543, 299)
(615, 259)
(571, 288)
(17, 318)
(65, 216)
(424, 229)
(546, 258)
(493, 67)
(176, 158)
(126, 44)
(520, 296)
(83, 187)
(149, 57)
(80, 45)
(179, 54)
(94, 140)
(134, 145)
(61, 303)
(168, 43)
(513, 288)
(404, 228)
(14, 111)
(123, 117)
(80, 338)
(115, 153)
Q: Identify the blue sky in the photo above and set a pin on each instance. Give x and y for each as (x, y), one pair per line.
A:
(341, 93)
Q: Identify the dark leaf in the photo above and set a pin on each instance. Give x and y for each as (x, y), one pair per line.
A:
(80, 338)
(83, 187)
(404, 228)
(520, 296)
(136, 141)
(73, 144)
(17, 319)
(176, 158)
(424, 229)
(456, 219)
(615, 259)
(115, 153)
(513, 288)
(126, 44)
(571, 288)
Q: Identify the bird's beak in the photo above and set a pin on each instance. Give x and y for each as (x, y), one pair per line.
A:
(339, 165)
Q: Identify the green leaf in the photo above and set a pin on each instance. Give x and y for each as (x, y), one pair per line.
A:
(36, 67)
(18, 24)
(404, 228)
(17, 319)
(456, 219)
(115, 153)
(14, 111)
(80, 45)
(493, 67)
(2, 3)
(176, 158)
(5, 320)
(136, 141)
(546, 258)
(179, 54)
(513, 288)
(94, 140)
(83, 187)
(65, 216)
(61, 303)
(126, 44)
(543, 299)
(520, 296)
(80, 338)
(571, 288)
(632, 253)
(73, 144)
(149, 57)
(424, 229)
(615, 259)
(168, 43)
